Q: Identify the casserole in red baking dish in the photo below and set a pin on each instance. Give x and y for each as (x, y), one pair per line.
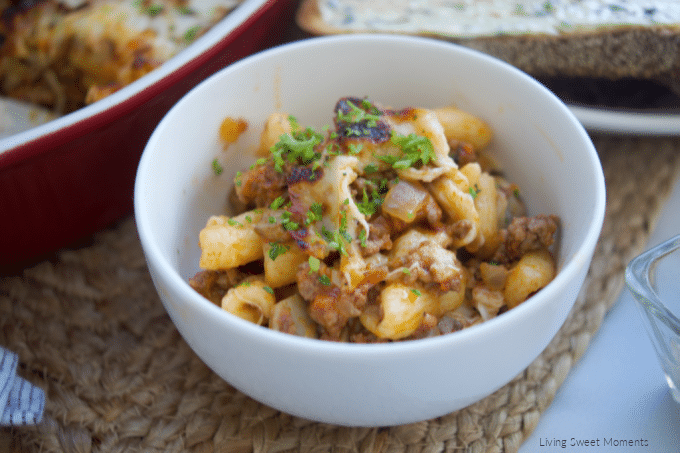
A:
(72, 176)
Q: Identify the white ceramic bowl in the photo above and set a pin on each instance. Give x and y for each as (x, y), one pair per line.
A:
(540, 143)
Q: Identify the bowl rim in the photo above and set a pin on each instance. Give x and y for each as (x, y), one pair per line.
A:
(639, 278)
(253, 332)
(37, 140)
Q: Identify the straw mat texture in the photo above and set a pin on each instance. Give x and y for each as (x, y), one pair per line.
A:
(91, 331)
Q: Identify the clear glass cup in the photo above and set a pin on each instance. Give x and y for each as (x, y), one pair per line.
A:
(653, 278)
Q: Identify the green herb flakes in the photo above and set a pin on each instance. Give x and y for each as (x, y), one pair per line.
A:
(370, 168)
(314, 264)
(300, 146)
(217, 167)
(474, 191)
(314, 214)
(191, 33)
(277, 203)
(277, 249)
(288, 223)
(154, 10)
(357, 115)
(369, 206)
(354, 149)
(416, 150)
(362, 238)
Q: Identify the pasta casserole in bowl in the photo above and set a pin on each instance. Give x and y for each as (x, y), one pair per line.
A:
(347, 235)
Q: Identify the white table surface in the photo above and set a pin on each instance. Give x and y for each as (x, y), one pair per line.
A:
(617, 389)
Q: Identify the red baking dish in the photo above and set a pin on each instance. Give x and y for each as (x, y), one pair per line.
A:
(70, 177)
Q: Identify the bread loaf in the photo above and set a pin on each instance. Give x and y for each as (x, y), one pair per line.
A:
(612, 39)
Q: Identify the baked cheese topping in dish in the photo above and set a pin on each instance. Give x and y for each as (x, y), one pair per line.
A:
(475, 18)
(65, 54)
(388, 225)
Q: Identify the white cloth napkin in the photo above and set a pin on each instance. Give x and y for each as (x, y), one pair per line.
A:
(21, 403)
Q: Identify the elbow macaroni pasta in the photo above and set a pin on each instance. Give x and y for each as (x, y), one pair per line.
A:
(390, 226)
(533, 271)
(227, 243)
(249, 300)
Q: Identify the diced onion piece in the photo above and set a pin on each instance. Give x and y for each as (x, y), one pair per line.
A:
(487, 301)
(405, 200)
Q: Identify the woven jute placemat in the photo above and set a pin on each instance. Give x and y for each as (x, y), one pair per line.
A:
(90, 330)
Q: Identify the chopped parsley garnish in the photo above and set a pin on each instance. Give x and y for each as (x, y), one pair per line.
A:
(324, 280)
(191, 33)
(367, 105)
(295, 126)
(416, 292)
(345, 235)
(416, 150)
(185, 10)
(334, 239)
(333, 148)
(276, 249)
(217, 168)
(314, 264)
(362, 238)
(268, 289)
(315, 213)
(154, 10)
(474, 191)
(233, 222)
(369, 206)
(354, 149)
(298, 146)
(287, 223)
(343, 217)
(370, 168)
(357, 115)
(277, 203)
